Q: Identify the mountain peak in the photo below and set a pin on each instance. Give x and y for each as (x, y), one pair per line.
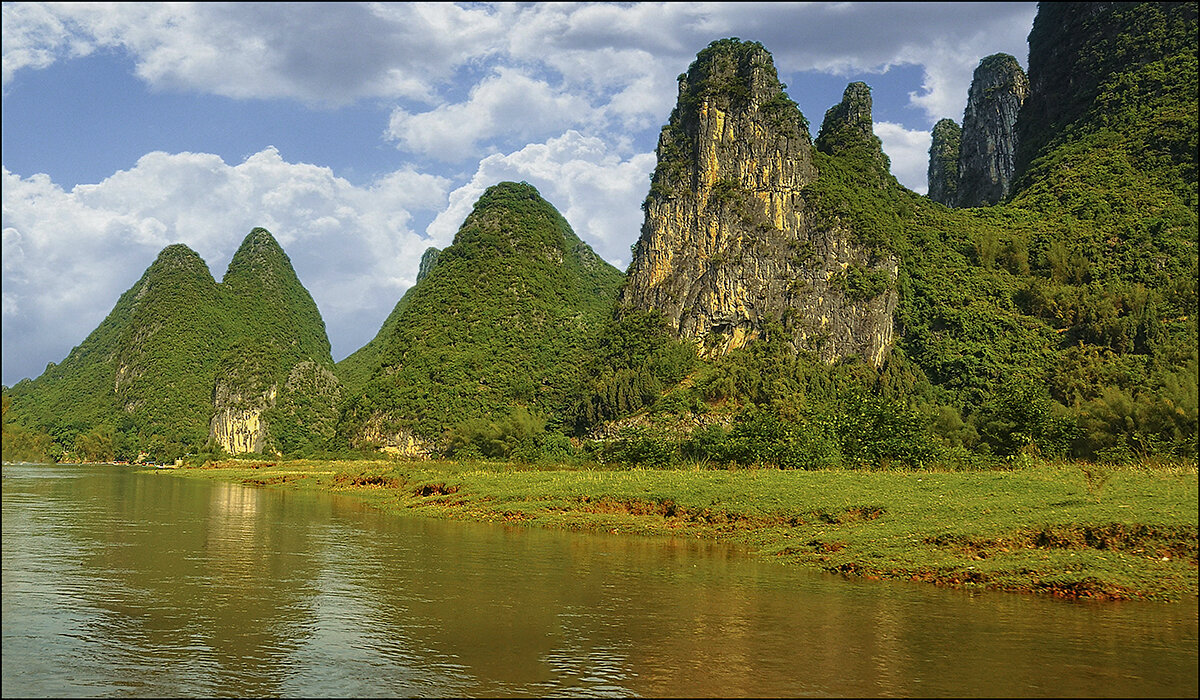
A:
(849, 124)
(259, 256)
(989, 139)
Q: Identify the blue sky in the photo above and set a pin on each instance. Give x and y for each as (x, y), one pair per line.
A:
(361, 134)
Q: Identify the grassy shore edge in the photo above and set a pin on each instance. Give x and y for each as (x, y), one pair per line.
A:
(1066, 530)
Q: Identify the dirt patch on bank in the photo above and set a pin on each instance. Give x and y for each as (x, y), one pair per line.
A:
(715, 515)
(1173, 542)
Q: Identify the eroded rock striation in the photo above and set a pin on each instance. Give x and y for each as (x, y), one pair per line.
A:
(731, 244)
(987, 156)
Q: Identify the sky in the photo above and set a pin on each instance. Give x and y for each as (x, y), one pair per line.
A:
(360, 134)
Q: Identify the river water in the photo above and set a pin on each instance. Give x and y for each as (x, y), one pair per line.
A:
(142, 584)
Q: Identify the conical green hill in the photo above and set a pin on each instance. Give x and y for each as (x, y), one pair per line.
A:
(182, 362)
(270, 303)
(144, 377)
(498, 324)
(276, 390)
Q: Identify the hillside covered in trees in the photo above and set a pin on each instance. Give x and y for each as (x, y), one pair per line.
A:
(789, 302)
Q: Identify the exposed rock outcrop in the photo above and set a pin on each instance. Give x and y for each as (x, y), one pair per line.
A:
(987, 156)
(943, 162)
(730, 244)
(428, 260)
(238, 428)
(849, 124)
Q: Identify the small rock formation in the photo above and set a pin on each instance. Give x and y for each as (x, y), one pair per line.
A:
(428, 260)
(729, 243)
(849, 124)
(987, 156)
(239, 428)
(943, 162)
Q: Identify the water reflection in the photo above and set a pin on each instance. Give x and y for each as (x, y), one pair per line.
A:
(146, 584)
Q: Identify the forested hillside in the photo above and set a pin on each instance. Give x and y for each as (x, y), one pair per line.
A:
(789, 302)
(182, 363)
(482, 354)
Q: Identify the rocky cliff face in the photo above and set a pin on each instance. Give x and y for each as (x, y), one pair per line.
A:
(730, 243)
(943, 162)
(987, 156)
(239, 428)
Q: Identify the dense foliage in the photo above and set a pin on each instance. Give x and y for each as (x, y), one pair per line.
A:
(144, 383)
(496, 331)
(1062, 323)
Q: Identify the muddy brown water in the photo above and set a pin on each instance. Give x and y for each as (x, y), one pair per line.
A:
(118, 583)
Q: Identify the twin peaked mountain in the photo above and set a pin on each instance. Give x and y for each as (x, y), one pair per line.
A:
(1082, 276)
(181, 360)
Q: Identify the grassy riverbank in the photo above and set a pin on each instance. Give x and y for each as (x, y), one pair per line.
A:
(1060, 529)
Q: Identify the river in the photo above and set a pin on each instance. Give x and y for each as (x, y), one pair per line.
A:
(119, 583)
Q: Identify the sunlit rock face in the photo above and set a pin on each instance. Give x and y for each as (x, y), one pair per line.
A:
(730, 244)
(987, 157)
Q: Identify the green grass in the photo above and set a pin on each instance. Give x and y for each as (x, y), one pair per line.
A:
(1043, 529)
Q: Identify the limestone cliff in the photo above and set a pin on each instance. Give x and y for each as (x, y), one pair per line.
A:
(987, 156)
(730, 244)
(943, 162)
(238, 426)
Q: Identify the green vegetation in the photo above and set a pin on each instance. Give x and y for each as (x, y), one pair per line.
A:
(498, 327)
(1038, 529)
(145, 380)
(1061, 324)
(944, 150)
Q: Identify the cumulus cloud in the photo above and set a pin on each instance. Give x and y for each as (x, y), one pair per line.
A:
(315, 52)
(339, 52)
(598, 191)
(34, 36)
(508, 103)
(908, 149)
(68, 255)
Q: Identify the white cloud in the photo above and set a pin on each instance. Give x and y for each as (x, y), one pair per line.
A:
(594, 188)
(69, 255)
(34, 36)
(315, 52)
(908, 149)
(339, 52)
(508, 104)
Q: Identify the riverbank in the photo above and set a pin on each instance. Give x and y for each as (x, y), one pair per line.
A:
(1068, 530)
